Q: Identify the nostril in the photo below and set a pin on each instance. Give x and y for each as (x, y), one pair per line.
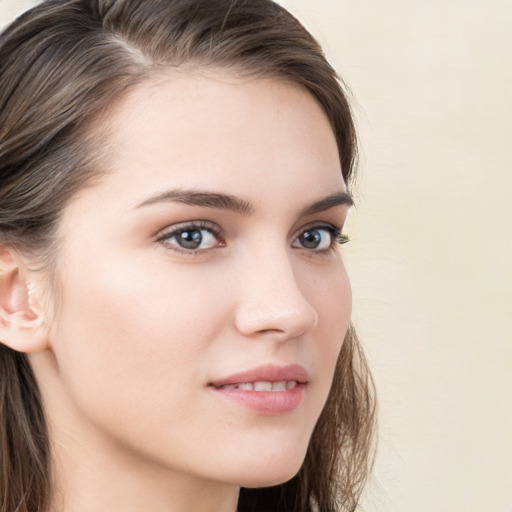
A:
(284, 323)
(272, 302)
(270, 331)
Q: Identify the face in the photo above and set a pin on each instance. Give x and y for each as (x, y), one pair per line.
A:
(203, 297)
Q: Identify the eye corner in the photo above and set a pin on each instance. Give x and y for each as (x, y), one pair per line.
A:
(342, 238)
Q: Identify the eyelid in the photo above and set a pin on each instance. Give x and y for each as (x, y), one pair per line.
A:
(180, 226)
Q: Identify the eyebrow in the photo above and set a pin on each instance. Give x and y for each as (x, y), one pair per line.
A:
(340, 198)
(206, 199)
(233, 203)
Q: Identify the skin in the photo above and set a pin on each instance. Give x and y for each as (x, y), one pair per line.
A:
(143, 327)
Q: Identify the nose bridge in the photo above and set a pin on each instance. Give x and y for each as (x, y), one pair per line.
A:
(271, 300)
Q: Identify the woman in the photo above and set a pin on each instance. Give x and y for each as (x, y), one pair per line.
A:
(174, 311)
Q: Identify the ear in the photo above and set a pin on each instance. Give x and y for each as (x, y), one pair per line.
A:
(22, 322)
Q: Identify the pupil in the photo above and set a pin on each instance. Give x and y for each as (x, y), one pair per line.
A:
(190, 239)
(310, 239)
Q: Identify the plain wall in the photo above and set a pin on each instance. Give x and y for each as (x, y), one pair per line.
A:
(430, 257)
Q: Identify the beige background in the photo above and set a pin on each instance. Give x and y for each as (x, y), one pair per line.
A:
(431, 251)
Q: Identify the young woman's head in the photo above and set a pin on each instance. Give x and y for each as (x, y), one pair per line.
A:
(174, 312)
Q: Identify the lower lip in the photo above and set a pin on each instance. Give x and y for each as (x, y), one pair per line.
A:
(268, 403)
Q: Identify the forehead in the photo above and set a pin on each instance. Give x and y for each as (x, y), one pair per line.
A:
(218, 131)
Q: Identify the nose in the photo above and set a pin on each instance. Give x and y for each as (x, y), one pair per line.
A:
(270, 300)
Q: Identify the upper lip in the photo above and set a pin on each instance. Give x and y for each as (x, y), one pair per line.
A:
(267, 373)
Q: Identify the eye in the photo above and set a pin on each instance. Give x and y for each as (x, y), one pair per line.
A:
(191, 237)
(319, 238)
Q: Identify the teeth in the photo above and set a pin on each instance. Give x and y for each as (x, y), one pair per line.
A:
(263, 386)
(279, 386)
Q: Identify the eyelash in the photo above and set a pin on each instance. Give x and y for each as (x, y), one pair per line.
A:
(336, 235)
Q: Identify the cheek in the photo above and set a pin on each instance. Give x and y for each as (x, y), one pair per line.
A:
(128, 338)
(331, 296)
(336, 311)
(332, 299)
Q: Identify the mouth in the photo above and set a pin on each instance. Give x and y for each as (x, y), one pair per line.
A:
(283, 385)
(267, 390)
(264, 378)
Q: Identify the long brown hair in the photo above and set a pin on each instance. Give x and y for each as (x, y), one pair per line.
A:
(62, 65)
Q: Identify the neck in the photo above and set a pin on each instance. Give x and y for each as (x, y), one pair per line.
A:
(91, 479)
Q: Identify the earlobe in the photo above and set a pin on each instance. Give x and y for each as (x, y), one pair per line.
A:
(22, 322)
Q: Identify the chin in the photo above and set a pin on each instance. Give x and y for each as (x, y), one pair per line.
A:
(269, 472)
(268, 480)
